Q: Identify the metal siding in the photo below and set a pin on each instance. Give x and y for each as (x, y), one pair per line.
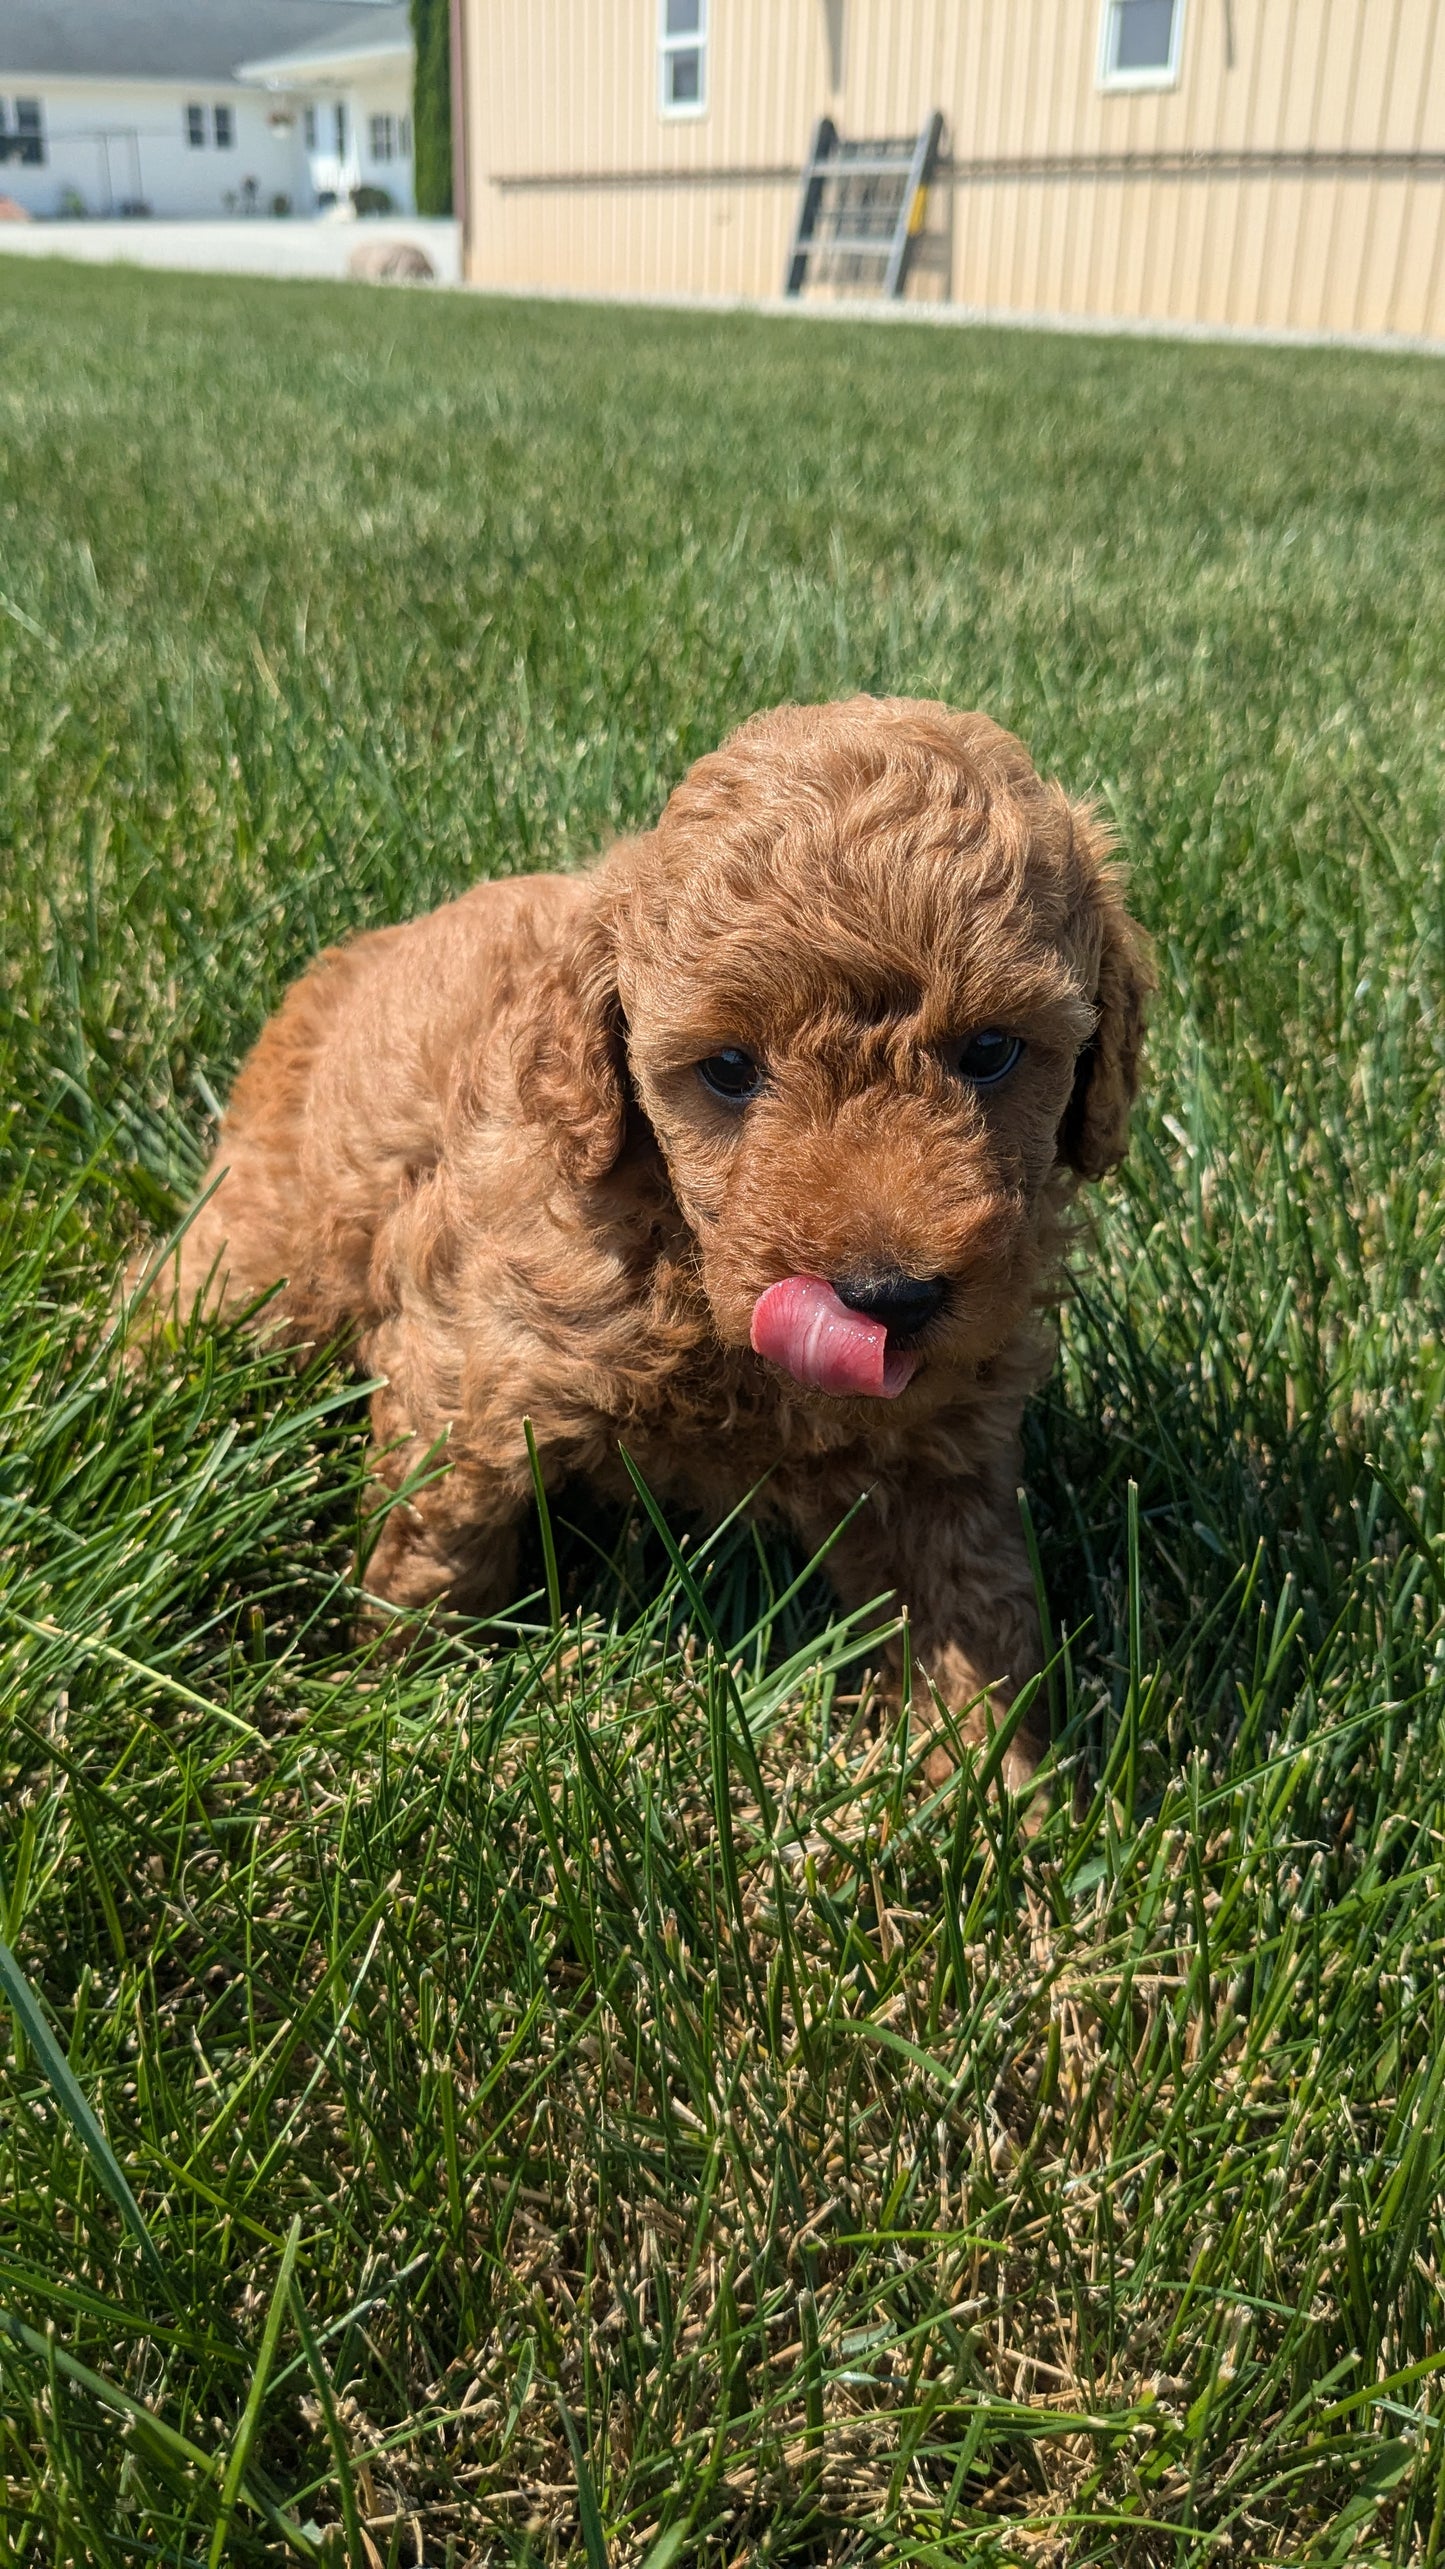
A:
(1425, 75)
(558, 92)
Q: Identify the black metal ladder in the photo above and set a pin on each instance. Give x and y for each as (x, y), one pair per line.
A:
(861, 209)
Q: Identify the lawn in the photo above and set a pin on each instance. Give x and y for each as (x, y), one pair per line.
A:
(489, 2108)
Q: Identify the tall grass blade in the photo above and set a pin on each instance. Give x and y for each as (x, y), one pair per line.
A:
(594, 2540)
(240, 2454)
(69, 2096)
(335, 2432)
(544, 1521)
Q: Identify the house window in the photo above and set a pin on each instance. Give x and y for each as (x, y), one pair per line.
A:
(225, 124)
(340, 112)
(308, 127)
(682, 57)
(29, 132)
(1139, 44)
(383, 138)
(196, 128)
(24, 139)
(403, 137)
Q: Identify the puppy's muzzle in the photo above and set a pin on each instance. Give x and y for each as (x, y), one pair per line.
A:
(904, 1304)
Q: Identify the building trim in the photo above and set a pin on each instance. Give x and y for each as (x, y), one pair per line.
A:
(972, 316)
(1056, 165)
(301, 70)
(461, 193)
(185, 84)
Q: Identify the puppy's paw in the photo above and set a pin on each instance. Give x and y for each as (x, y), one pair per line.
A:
(975, 1728)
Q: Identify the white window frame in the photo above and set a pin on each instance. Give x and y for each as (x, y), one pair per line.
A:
(675, 110)
(30, 137)
(1151, 76)
(223, 124)
(383, 137)
(195, 123)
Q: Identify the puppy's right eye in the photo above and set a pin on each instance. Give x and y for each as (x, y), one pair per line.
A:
(732, 1075)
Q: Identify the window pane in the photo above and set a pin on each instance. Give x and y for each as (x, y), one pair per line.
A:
(308, 127)
(684, 17)
(340, 130)
(1143, 34)
(684, 77)
(403, 135)
(29, 131)
(225, 128)
(195, 127)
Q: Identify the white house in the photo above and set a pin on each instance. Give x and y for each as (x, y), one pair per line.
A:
(188, 108)
(350, 87)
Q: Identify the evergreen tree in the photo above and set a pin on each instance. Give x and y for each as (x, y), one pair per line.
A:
(432, 105)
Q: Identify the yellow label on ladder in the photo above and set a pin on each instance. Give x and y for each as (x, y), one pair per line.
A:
(918, 214)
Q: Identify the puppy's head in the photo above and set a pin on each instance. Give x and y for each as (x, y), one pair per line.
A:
(880, 1000)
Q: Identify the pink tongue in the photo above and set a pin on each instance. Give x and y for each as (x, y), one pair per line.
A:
(801, 1325)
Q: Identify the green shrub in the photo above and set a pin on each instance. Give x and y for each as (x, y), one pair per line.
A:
(432, 106)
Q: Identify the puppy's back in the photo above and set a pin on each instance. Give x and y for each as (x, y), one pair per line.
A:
(342, 1106)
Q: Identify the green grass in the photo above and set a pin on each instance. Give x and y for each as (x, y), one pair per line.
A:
(530, 2122)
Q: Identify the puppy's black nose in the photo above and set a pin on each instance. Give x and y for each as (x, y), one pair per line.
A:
(904, 1304)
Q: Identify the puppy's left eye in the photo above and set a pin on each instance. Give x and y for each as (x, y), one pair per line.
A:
(987, 1057)
(731, 1075)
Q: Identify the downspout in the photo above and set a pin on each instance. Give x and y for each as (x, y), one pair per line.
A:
(461, 204)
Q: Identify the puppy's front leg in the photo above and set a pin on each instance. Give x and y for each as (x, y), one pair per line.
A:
(953, 1553)
(418, 1562)
(454, 1540)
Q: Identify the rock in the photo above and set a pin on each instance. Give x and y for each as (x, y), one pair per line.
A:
(387, 260)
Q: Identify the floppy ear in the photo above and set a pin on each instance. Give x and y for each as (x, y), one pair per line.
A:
(1094, 1133)
(568, 1054)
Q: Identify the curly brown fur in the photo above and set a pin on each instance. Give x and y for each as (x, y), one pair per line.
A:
(479, 1145)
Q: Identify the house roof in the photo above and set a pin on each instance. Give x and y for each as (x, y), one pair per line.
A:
(361, 36)
(182, 39)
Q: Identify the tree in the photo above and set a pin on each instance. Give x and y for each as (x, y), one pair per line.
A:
(432, 105)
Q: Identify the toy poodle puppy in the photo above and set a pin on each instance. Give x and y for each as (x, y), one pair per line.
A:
(750, 1148)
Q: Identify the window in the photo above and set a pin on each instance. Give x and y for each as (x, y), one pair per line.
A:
(222, 127)
(308, 127)
(23, 139)
(1139, 42)
(403, 137)
(682, 57)
(340, 114)
(383, 138)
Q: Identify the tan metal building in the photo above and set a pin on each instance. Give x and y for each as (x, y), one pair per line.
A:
(1274, 164)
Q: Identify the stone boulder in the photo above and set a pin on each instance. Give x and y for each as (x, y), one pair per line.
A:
(387, 261)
